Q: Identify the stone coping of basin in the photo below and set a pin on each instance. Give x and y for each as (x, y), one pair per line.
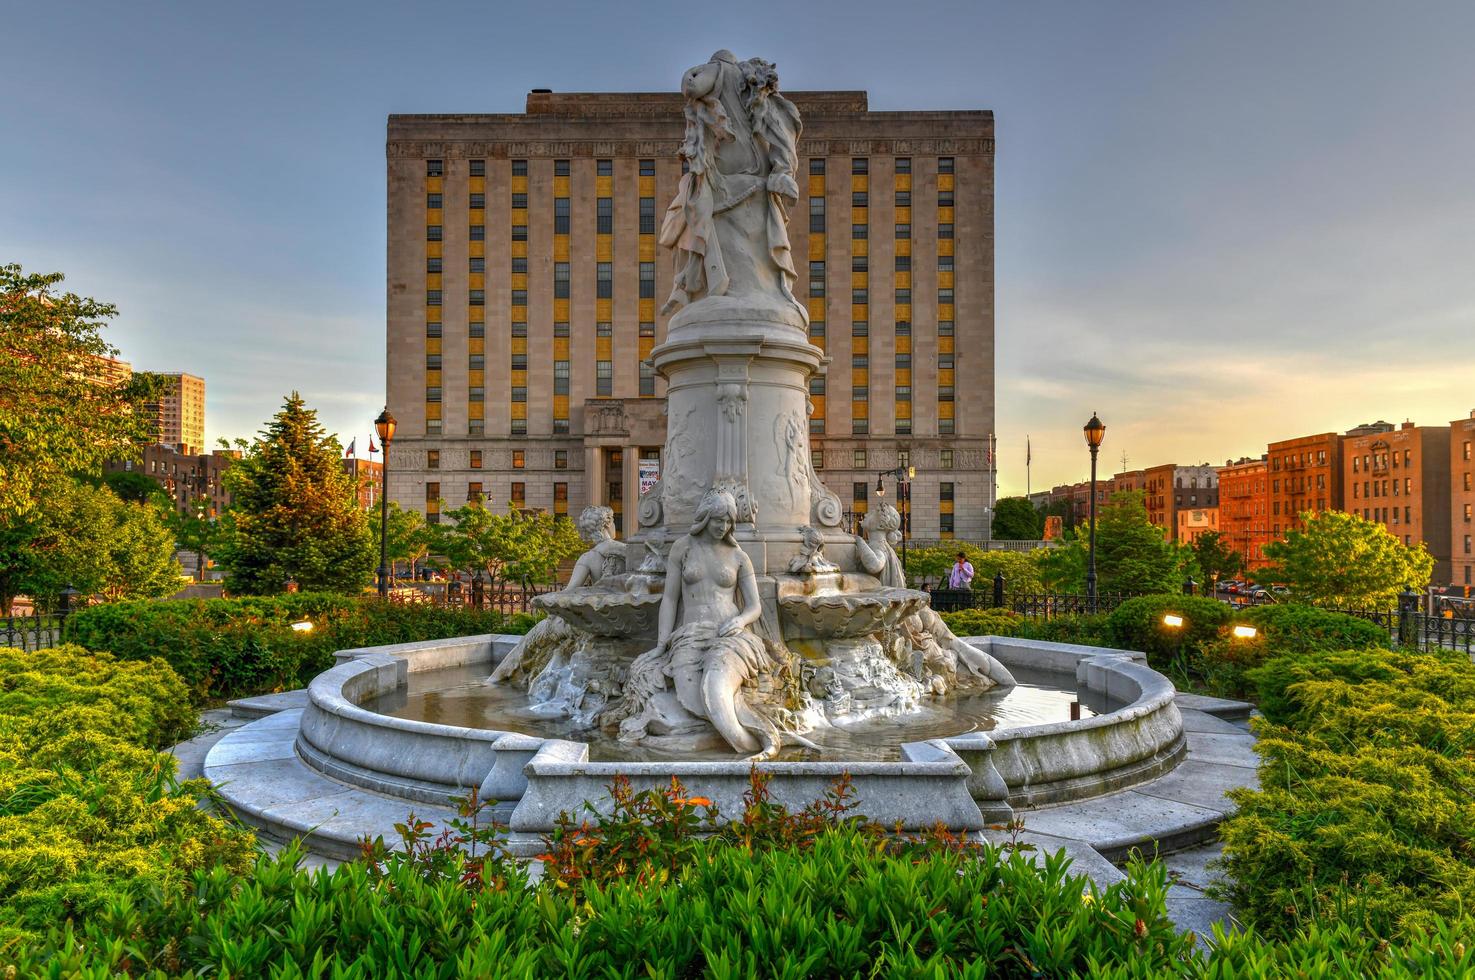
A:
(1028, 766)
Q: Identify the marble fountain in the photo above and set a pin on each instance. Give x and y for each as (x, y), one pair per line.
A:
(739, 625)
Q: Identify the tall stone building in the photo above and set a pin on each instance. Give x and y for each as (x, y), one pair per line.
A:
(525, 283)
(180, 413)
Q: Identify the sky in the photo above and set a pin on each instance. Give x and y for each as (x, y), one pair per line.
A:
(1217, 224)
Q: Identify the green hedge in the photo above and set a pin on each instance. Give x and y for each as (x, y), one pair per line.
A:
(1137, 624)
(1366, 811)
(983, 622)
(89, 812)
(226, 648)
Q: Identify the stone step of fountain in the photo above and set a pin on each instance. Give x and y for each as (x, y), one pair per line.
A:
(267, 704)
(1218, 707)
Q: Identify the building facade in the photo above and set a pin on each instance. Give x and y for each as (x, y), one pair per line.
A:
(186, 477)
(1400, 478)
(368, 475)
(1462, 501)
(1195, 521)
(180, 413)
(1171, 488)
(525, 283)
(1244, 509)
(1305, 477)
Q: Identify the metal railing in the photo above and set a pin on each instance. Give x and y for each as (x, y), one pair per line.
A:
(1046, 605)
(35, 631)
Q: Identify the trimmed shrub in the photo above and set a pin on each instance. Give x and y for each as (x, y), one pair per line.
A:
(983, 622)
(1088, 630)
(1298, 629)
(1365, 813)
(226, 648)
(88, 812)
(1137, 624)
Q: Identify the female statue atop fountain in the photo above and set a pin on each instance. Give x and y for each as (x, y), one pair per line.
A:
(706, 645)
(728, 222)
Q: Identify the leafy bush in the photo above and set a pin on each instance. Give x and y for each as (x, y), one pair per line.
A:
(1299, 629)
(236, 647)
(1021, 569)
(88, 812)
(1137, 624)
(983, 622)
(1092, 631)
(1365, 812)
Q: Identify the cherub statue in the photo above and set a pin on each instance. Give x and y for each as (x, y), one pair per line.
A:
(811, 559)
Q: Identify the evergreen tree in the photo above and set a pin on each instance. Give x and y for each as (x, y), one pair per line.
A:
(295, 512)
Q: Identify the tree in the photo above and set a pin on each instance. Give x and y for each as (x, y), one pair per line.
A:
(136, 488)
(196, 531)
(1015, 519)
(1216, 557)
(1132, 555)
(1021, 569)
(85, 537)
(294, 512)
(408, 539)
(1339, 559)
(512, 547)
(60, 413)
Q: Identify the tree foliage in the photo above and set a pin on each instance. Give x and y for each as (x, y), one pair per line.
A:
(409, 537)
(1021, 569)
(1214, 555)
(60, 415)
(515, 547)
(294, 512)
(138, 488)
(196, 531)
(83, 536)
(1015, 519)
(1132, 555)
(1341, 559)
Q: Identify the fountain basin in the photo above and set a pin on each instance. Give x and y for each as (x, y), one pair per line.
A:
(845, 615)
(605, 612)
(1137, 736)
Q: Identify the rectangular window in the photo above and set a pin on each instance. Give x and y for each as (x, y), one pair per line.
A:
(560, 280)
(816, 278)
(560, 377)
(432, 297)
(560, 168)
(945, 362)
(519, 201)
(434, 168)
(647, 280)
(944, 165)
(945, 524)
(903, 296)
(903, 328)
(432, 233)
(817, 215)
(860, 165)
(604, 216)
(473, 493)
(647, 329)
(860, 427)
(518, 427)
(945, 491)
(560, 216)
(944, 199)
(604, 280)
(476, 362)
(946, 459)
(478, 168)
(519, 394)
(859, 459)
(859, 362)
(817, 459)
(560, 427)
(519, 494)
(858, 297)
(903, 393)
(944, 393)
(817, 166)
(944, 263)
(477, 297)
(860, 263)
(560, 328)
(817, 329)
(478, 264)
(604, 168)
(647, 216)
(903, 263)
(519, 168)
(520, 266)
(945, 231)
(604, 377)
(860, 328)
(817, 385)
(603, 329)
(859, 232)
(519, 297)
(860, 393)
(859, 491)
(432, 462)
(859, 199)
(519, 362)
(477, 201)
(478, 233)
(903, 362)
(903, 165)
(432, 266)
(519, 459)
(519, 233)
(903, 199)
(904, 232)
(560, 460)
(817, 425)
(432, 393)
(647, 379)
(944, 328)
(432, 329)
(476, 393)
(647, 168)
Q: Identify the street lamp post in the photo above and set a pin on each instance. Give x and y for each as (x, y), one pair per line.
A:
(903, 475)
(385, 426)
(200, 541)
(1095, 431)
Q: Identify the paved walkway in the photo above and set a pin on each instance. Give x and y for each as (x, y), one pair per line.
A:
(256, 768)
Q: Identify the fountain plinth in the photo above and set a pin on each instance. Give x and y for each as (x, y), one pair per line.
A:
(737, 623)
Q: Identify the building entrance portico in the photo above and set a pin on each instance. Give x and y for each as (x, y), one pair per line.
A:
(623, 439)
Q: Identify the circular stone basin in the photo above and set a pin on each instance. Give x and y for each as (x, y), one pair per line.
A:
(842, 615)
(605, 612)
(459, 696)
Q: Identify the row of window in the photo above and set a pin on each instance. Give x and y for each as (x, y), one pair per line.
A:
(862, 165)
(604, 168)
(519, 459)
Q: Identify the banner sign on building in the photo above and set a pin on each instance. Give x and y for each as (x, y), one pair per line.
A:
(650, 472)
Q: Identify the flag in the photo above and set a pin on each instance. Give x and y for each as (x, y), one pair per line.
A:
(352, 446)
(372, 448)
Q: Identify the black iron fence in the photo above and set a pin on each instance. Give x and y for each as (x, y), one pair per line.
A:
(1046, 605)
(33, 631)
(473, 594)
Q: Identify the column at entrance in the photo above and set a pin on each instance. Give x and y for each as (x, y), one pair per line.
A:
(593, 477)
(612, 485)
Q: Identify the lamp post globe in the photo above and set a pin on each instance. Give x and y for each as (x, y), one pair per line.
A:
(1095, 431)
(385, 426)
